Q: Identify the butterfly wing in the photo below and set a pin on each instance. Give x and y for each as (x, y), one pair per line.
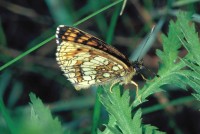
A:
(86, 60)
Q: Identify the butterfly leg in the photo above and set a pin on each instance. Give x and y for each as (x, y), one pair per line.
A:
(134, 83)
(115, 82)
(144, 77)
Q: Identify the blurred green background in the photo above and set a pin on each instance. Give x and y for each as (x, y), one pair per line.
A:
(23, 24)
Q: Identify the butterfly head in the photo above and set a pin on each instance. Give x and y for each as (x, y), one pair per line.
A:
(138, 66)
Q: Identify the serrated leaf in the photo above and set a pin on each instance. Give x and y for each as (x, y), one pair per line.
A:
(121, 119)
(171, 71)
(192, 43)
(197, 96)
(171, 44)
(110, 130)
(137, 121)
(194, 66)
(111, 124)
(42, 116)
(148, 129)
(118, 106)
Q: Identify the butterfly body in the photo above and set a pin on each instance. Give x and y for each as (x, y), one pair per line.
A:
(87, 60)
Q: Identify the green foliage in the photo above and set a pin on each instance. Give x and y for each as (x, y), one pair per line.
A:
(173, 70)
(41, 116)
(118, 106)
(192, 60)
(38, 121)
(121, 120)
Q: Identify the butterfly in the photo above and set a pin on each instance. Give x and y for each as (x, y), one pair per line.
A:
(87, 60)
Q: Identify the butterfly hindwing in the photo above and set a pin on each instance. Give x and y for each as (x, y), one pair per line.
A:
(86, 60)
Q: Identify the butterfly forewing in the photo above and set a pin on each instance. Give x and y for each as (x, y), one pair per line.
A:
(86, 60)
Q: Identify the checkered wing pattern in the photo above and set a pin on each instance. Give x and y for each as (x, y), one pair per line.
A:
(86, 60)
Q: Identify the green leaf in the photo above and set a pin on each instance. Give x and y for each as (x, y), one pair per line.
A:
(137, 122)
(148, 129)
(171, 44)
(172, 71)
(41, 116)
(197, 96)
(110, 127)
(192, 60)
(119, 107)
(121, 118)
(192, 43)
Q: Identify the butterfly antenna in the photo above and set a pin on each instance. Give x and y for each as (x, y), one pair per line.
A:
(147, 39)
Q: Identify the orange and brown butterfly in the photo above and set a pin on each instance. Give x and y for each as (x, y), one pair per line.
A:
(87, 60)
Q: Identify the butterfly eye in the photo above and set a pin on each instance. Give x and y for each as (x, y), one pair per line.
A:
(138, 68)
(142, 67)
